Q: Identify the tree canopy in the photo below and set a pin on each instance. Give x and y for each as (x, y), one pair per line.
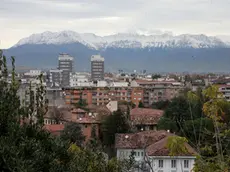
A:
(73, 133)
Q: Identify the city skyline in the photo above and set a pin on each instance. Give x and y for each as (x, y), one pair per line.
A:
(21, 18)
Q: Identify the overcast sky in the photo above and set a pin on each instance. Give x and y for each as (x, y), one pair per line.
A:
(21, 18)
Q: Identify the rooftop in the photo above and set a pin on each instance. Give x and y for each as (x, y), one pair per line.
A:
(97, 58)
(145, 116)
(154, 142)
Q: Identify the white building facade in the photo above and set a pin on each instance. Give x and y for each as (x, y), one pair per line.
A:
(154, 153)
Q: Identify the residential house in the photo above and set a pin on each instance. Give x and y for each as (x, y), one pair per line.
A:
(150, 150)
(87, 121)
(145, 118)
(54, 129)
(59, 116)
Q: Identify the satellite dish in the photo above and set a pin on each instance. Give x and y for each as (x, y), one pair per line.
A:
(126, 136)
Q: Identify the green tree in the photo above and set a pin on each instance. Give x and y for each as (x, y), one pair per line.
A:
(81, 103)
(24, 146)
(141, 105)
(94, 143)
(161, 104)
(118, 122)
(73, 133)
(176, 145)
(214, 110)
(178, 111)
(156, 76)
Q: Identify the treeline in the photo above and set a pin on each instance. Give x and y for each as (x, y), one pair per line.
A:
(203, 117)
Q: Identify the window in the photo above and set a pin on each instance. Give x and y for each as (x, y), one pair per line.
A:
(142, 153)
(161, 165)
(173, 163)
(138, 153)
(186, 163)
(121, 154)
(151, 127)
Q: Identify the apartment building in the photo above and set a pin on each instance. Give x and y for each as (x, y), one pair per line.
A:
(97, 68)
(72, 96)
(96, 95)
(225, 90)
(154, 91)
(146, 92)
(102, 96)
(137, 95)
(65, 63)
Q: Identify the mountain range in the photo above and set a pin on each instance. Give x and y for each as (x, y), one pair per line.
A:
(127, 51)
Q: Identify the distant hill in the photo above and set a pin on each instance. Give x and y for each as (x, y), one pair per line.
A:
(159, 53)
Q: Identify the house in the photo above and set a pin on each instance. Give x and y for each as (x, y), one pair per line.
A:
(145, 118)
(57, 117)
(112, 106)
(54, 129)
(149, 148)
(87, 121)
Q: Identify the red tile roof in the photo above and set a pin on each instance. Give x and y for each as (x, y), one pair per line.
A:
(145, 116)
(63, 114)
(154, 142)
(159, 149)
(139, 140)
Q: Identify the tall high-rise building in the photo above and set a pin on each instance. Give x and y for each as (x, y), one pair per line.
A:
(97, 68)
(65, 63)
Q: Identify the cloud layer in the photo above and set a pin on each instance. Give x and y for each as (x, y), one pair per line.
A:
(20, 18)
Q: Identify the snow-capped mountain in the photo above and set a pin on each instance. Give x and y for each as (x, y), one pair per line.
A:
(123, 40)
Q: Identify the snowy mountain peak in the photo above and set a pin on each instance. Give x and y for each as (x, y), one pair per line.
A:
(123, 40)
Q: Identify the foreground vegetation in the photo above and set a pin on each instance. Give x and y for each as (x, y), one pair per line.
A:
(203, 117)
(26, 147)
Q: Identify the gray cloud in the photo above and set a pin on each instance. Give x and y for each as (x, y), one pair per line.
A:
(21, 18)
